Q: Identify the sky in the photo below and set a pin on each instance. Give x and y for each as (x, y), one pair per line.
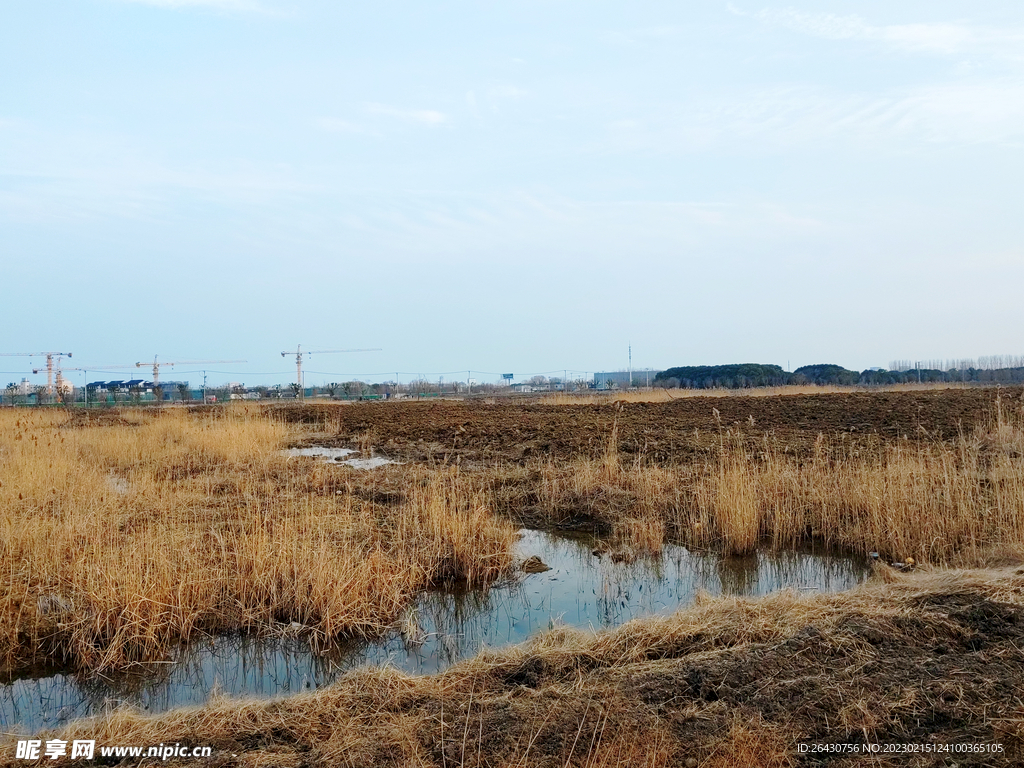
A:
(526, 187)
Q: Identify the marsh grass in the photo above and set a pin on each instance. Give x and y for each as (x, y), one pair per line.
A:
(122, 538)
(626, 698)
(124, 535)
(940, 502)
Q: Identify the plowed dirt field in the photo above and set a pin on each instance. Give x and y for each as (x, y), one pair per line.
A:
(662, 432)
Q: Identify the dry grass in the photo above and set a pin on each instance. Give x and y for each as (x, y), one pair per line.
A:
(943, 503)
(120, 538)
(661, 395)
(728, 682)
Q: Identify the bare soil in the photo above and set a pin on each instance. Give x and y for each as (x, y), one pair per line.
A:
(449, 431)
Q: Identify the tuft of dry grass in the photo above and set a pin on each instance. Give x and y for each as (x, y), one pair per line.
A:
(122, 537)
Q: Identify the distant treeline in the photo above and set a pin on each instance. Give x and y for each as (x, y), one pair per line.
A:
(742, 375)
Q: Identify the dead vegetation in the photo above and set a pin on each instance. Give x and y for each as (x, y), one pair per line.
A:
(941, 502)
(121, 539)
(931, 657)
(125, 533)
(665, 395)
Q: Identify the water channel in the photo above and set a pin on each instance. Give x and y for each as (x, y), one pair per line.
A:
(580, 590)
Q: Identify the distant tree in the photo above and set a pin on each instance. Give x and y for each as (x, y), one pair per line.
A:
(294, 388)
(12, 392)
(40, 393)
(136, 394)
(184, 392)
(158, 393)
(353, 389)
(332, 389)
(827, 373)
(730, 376)
(537, 381)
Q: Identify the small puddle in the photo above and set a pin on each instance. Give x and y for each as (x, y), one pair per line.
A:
(579, 590)
(338, 456)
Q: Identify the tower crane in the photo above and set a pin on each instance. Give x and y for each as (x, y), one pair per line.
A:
(157, 364)
(298, 360)
(50, 356)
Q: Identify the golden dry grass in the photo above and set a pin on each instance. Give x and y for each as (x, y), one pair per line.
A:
(628, 697)
(942, 503)
(120, 538)
(661, 395)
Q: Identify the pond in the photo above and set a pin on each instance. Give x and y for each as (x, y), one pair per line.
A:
(579, 590)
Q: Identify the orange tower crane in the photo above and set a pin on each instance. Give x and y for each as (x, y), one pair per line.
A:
(298, 361)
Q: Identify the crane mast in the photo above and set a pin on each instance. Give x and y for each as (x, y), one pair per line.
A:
(50, 356)
(298, 362)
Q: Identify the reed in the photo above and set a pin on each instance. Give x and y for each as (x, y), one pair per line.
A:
(942, 502)
(727, 682)
(663, 395)
(123, 537)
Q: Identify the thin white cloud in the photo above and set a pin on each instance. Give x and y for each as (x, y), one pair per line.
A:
(421, 116)
(781, 119)
(941, 38)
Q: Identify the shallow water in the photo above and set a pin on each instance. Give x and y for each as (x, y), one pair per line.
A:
(321, 452)
(580, 590)
(338, 456)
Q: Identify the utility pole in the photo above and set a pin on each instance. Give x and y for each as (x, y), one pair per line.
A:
(630, 366)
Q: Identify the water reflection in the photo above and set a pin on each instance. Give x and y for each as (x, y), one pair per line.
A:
(580, 590)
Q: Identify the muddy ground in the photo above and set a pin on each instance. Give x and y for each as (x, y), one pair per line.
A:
(449, 431)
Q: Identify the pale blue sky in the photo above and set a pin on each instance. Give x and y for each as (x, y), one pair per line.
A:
(522, 187)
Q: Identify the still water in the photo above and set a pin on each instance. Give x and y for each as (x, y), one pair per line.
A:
(580, 590)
